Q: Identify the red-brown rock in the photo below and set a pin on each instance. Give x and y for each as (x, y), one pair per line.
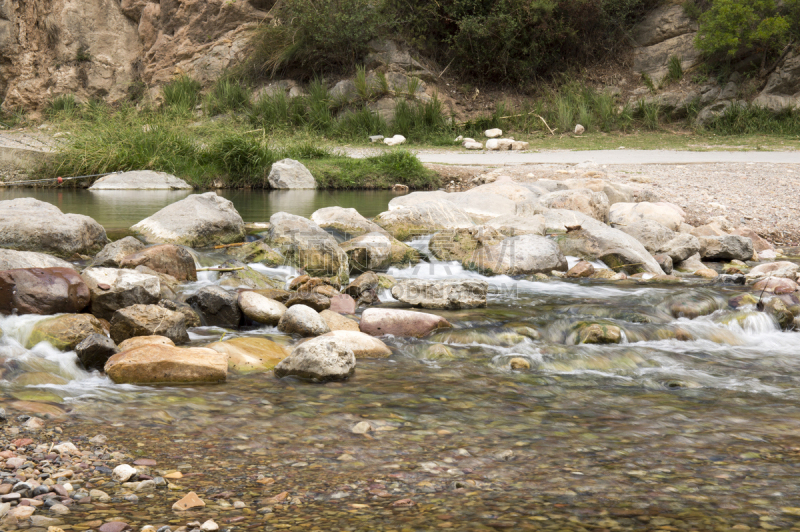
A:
(42, 291)
(166, 258)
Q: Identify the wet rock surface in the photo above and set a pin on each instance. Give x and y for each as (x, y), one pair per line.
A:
(42, 291)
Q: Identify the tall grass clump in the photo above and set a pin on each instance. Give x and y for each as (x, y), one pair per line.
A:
(381, 171)
(227, 95)
(755, 120)
(648, 112)
(674, 70)
(181, 94)
(63, 105)
(244, 158)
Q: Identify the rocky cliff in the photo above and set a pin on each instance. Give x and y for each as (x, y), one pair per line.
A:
(111, 49)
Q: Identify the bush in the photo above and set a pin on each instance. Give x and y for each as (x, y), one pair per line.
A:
(181, 94)
(317, 36)
(517, 40)
(732, 27)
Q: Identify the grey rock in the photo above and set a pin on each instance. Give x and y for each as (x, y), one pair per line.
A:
(306, 245)
(654, 59)
(113, 289)
(729, 247)
(348, 222)
(320, 359)
(148, 320)
(217, 306)
(681, 247)
(290, 174)
(589, 202)
(94, 350)
(302, 320)
(261, 309)
(782, 89)
(140, 180)
(520, 255)
(11, 259)
(199, 220)
(651, 234)
(113, 253)
(444, 294)
(661, 24)
(425, 218)
(27, 224)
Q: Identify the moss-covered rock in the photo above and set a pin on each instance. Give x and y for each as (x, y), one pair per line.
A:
(64, 332)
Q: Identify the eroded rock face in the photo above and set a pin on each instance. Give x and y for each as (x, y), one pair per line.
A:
(320, 359)
(783, 86)
(199, 220)
(42, 291)
(113, 289)
(444, 294)
(664, 33)
(27, 224)
(154, 363)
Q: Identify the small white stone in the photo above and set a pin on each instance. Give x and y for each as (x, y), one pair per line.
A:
(239, 505)
(493, 133)
(65, 448)
(579, 129)
(473, 145)
(209, 526)
(362, 427)
(394, 141)
(123, 472)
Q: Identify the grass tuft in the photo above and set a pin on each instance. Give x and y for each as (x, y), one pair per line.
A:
(181, 94)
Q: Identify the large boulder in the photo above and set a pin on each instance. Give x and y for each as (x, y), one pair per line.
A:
(667, 214)
(148, 320)
(166, 258)
(521, 255)
(378, 251)
(362, 345)
(518, 225)
(444, 294)
(154, 363)
(246, 355)
(681, 247)
(650, 233)
(114, 252)
(12, 260)
(306, 245)
(260, 309)
(217, 306)
(139, 341)
(288, 173)
(347, 222)
(484, 206)
(383, 321)
(320, 359)
(113, 289)
(42, 291)
(464, 245)
(425, 218)
(302, 320)
(589, 202)
(580, 236)
(140, 180)
(615, 192)
(418, 197)
(199, 220)
(729, 247)
(65, 332)
(27, 224)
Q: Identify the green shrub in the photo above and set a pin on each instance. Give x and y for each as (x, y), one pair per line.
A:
(316, 36)
(181, 94)
(731, 27)
(228, 95)
(754, 120)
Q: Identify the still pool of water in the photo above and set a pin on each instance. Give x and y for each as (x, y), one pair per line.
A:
(117, 210)
(687, 424)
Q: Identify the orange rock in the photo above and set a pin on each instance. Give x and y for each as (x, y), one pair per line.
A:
(191, 500)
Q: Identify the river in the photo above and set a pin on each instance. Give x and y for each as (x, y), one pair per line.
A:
(688, 424)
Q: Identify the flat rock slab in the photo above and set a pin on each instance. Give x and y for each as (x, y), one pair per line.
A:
(140, 180)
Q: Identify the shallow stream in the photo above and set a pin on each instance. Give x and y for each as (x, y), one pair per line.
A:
(687, 424)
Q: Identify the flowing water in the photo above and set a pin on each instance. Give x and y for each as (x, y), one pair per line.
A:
(689, 423)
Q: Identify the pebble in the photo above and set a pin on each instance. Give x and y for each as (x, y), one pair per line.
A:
(362, 427)
(59, 509)
(123, 472)
(209, 526)
(191, 500)
(114, 526)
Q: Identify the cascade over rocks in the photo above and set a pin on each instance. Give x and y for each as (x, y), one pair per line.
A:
(320, 360)
(445, 294)
(42, 291)
(166, 258)
(155, 363)
(148, 320)
(199, 220)
(27, 224)
(113, 289)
